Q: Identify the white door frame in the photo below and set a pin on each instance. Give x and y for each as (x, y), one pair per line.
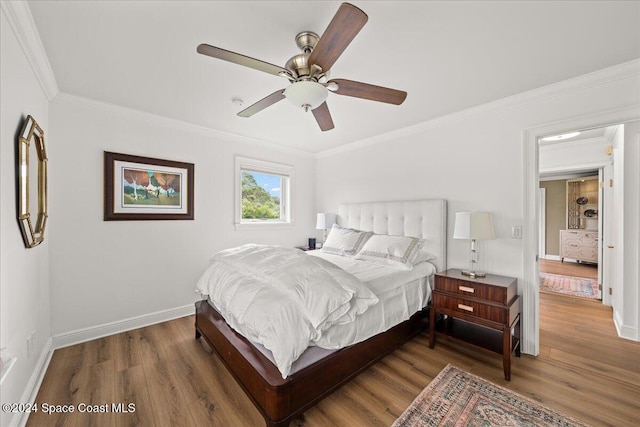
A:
(530, 295)
(542, 230)
(603, 215)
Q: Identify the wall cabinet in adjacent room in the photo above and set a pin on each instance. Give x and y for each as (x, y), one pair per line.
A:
(582, 203)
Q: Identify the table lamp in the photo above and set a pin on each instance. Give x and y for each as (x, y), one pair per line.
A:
(324, 222)
(474, 226)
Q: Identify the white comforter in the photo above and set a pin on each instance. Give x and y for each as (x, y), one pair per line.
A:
(281, 297)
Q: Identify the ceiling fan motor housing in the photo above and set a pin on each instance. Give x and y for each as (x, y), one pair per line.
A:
(307, 40)
(299, 65)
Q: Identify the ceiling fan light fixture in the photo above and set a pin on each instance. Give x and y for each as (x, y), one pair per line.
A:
(306, 94)
(561, 137)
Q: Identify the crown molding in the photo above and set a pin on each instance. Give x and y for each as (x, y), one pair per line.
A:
(630, 69)
(21, 21)
(158, 120)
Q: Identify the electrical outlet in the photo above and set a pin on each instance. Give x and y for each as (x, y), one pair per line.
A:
(516, 232)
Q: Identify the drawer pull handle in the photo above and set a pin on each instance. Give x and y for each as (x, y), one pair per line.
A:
(466, 289)
(465, 307)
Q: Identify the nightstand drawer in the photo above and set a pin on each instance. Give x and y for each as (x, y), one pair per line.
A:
(476, 288)
(481, 311)
(471, 308)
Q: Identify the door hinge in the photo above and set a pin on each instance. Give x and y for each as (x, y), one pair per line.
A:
(610, 182)
(610, 291)
(600, 287)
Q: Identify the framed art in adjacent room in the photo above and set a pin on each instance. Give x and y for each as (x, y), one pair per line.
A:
(143, 188)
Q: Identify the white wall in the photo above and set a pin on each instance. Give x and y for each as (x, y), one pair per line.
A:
(473, 158)
(463, 164)
(108, 271)
(24, 277)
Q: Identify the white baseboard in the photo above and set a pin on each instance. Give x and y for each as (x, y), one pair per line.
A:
(551, 257)
(31, 391)
(87, 334)
(625, 332)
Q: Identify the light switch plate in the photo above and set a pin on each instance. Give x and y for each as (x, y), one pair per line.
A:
(516, 232)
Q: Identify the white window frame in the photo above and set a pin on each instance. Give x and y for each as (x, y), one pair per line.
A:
(286, 193)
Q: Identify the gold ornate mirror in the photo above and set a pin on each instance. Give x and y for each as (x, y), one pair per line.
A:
(32, 171)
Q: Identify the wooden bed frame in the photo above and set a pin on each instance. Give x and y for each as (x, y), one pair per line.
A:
(281, 400)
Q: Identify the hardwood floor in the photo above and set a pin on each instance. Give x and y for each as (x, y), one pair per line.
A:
(568, 268)
(583, 370)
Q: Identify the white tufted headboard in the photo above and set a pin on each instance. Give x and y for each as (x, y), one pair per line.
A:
(426, 219)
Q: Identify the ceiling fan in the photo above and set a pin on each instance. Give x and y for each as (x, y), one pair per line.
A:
(308, 72)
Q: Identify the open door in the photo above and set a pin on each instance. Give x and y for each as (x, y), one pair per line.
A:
(542, 227)
(607, 224)
(601, 213)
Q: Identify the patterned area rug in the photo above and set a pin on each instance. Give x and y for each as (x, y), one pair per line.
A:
(459, 399)
(569, 285)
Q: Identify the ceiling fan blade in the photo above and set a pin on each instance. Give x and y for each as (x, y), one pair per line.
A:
(367, 91)
(323, 117)
(262, 104)
(236, 58)
(343, 28)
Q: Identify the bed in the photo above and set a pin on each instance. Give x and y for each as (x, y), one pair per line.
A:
(279, 399)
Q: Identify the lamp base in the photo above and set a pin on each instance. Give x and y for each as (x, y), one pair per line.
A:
(474, 274)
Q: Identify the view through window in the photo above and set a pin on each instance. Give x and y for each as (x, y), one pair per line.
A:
(264, 193)
(261, 196)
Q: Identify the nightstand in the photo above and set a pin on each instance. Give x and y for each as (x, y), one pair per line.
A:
(482, 312)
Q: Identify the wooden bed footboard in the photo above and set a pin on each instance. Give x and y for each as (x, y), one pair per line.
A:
(281, 400)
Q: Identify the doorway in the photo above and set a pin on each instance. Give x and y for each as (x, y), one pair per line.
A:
(576, 210)
(615, 258)
(570, 219)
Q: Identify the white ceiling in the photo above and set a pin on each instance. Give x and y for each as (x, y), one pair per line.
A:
(448, 56)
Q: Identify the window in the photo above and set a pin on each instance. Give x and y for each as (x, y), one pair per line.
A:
(263, 193)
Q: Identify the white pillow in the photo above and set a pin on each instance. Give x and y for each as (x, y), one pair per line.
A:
(345, 241)
(400, 251)
(422, 256)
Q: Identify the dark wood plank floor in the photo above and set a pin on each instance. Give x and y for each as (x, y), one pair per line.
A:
(583, 370)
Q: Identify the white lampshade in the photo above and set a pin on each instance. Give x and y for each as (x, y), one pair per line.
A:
(305, 94)
(474, 225)
(325, 221)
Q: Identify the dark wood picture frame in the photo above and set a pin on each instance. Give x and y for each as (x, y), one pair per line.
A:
(117, 210)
